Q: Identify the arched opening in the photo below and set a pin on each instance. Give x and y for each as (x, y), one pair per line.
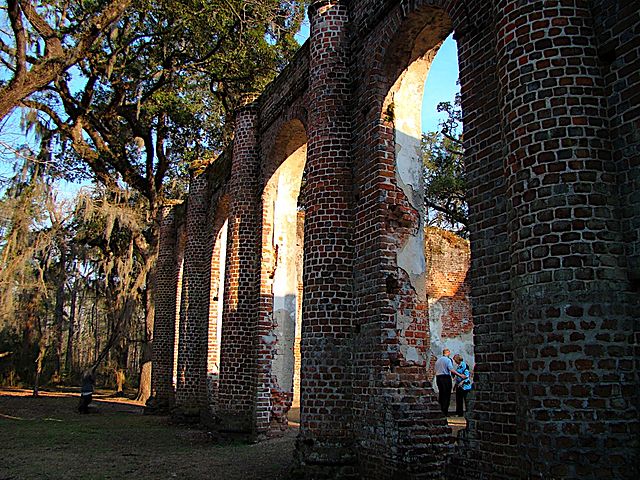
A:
(180, 249)
(216, 300)
(435, 259)
(282, 265)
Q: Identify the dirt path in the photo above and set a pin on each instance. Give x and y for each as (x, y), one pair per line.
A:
(45, 438)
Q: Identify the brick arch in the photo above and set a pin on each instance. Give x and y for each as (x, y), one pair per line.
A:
(391, 260)
(291, 131)
(420, 31)
(291, 134)
(217, 222)
(279, 321)
(399, 41)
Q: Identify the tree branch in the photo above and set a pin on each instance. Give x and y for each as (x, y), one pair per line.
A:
(454, 215)
(51, 40)
(15, 17)
(57, 60)
(11, 52)
(450, 138)
(45, 109)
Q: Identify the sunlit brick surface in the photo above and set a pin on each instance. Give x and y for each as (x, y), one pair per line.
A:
(166, 308)
(237, 388)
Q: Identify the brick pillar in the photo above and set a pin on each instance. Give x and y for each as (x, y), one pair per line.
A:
(325, 431)
(166, 304)
(191, 386)
(237, 387)
(573, 352)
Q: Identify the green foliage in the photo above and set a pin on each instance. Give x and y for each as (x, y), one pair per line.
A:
(159, 90)
(444, 172)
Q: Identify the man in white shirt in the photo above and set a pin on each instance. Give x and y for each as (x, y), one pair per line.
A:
(444, 369)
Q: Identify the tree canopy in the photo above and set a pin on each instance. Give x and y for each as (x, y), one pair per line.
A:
(156, 94)
(444, 172)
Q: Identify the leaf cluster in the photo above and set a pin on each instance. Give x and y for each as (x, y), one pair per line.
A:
(444, 172)
(155, 96)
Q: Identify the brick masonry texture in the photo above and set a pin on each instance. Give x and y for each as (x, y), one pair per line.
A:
(551, 121)
(166, 308)
(237, 389)
(191, 392)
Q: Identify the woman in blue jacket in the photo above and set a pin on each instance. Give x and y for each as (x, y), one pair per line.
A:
(463, 384)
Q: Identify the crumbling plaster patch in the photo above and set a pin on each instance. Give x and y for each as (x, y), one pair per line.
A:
(406, 101)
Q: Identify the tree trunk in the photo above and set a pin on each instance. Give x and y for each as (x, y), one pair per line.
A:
(59, 312)
(36, 79)
(42, 350)
(121, 354)
(146, 349)
(120, 379)
(94, 324)
(146, 354)
(68, 364)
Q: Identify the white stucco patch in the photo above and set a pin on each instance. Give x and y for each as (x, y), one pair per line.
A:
(410, 353)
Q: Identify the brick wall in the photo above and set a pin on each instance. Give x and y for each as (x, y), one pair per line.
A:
(191, 386)
(237, 388)
(616, 26)
(393, 387)
(567, 254)
(326, 434)
(550, 127)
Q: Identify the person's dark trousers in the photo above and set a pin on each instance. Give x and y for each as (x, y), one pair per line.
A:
(85, 400)
(461, 398)
(444, 392)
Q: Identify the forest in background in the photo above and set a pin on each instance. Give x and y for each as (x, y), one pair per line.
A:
(129, 98)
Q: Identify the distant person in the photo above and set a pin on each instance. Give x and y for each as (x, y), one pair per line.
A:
(463, 384)
(86, 391)
(444, 371)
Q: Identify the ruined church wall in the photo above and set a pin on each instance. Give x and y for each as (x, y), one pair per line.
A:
(548, 92)
(282, 141)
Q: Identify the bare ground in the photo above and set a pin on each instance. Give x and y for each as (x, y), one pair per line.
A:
(45, 438)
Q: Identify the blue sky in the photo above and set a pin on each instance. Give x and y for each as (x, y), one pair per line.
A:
(441, 84)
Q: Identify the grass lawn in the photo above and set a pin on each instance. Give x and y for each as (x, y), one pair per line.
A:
(45, 438)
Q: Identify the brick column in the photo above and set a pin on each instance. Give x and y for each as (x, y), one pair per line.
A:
(237, 387)
(166, 304)
(325, 431)
(573, 354)
(191, 386)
